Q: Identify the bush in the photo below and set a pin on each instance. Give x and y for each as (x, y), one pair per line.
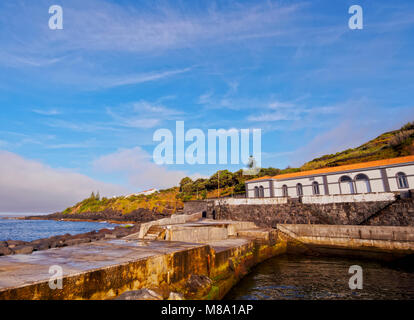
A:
(400, 137)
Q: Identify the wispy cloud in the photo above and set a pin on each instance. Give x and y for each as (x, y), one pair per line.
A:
(111, 81)
(137, 167)
(48, 112)
(142, 114)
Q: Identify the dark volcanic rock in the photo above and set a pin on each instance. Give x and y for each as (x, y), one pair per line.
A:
(23, 249)
(4, 251)
(139, 215)
(15, 243)
(142, 294)
(198, 285)
(71, 242)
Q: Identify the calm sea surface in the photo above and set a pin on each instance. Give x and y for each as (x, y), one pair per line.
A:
(315, 278)
(28, 230)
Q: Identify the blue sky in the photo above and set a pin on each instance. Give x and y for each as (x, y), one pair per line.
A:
(79, 106)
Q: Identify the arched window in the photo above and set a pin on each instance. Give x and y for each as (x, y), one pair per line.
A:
(346, 185)
(402, 181)
(261, 192)
(285, 190)
(315, 188)
(362, 183)
(299, 190)
(256, 192)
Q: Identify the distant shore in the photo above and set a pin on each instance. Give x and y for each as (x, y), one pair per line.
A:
(110, 216)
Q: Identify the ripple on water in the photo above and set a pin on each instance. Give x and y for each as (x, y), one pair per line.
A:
(318, 278)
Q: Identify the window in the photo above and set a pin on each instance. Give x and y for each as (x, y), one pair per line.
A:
(261, 192)
(299, 189)
(256, 192)
(362, 183)
(315, 188)
(402, 181)
(285, 190)
(346, 185)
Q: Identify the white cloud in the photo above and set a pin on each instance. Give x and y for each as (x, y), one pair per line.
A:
(49, 112)
(110, 81)
(30, 186)
(137, 166)
(143, 114)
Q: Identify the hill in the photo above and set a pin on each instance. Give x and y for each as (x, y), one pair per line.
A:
(225, 183)
(391, 144)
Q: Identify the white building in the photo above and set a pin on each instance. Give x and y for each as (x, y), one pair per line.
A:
(145, 192)
(389, 175)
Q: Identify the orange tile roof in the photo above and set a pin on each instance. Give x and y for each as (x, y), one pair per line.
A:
(261, 178)
(348, 167)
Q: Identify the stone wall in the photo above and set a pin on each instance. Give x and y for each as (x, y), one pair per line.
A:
(398, 213)
(394, 213)
(378, 242)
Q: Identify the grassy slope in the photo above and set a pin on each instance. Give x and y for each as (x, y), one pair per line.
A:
(392, 144)
(388, 145)
(163, 201)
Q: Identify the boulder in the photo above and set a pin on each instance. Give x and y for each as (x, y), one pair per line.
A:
(15, 243)
(198, 285)
(4, 251)
(71, 242)
(142, 294)
(44, 245)
(175, 296)
(23, 249)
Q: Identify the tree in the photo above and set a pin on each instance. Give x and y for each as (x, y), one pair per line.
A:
(185, 181)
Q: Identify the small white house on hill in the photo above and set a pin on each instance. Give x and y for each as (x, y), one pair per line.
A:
(145, 192)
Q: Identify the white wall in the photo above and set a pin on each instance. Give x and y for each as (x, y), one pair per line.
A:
(374, 176)
(241, 201)
(376, 184)
(339, 198)
(291, 184)
(265, 184)
(391, 173)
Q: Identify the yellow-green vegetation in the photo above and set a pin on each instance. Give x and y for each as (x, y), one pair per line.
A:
(162, 201)
(392, 144)
(224, 183)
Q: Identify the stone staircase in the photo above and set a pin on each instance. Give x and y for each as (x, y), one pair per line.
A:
(382, 211)
(155, 233)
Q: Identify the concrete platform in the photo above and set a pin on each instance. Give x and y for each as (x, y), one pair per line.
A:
(24, 269)
(105, 269)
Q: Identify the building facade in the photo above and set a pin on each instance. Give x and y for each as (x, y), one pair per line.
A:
(389, 175)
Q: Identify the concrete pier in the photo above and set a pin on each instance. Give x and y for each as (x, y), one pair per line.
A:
(185, 256)
(105, 269)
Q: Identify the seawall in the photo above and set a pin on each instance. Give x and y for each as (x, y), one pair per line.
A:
(272, 211)
(180, 257)
(106, 269)
(377, 242)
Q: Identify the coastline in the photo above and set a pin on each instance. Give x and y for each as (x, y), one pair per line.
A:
(11, 247)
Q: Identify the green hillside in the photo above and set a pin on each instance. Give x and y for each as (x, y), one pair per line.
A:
(225, 183)
(391, 144)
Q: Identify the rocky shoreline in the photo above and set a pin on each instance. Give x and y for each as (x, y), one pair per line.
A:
(135, 218)
(112, 216)
(26, 247)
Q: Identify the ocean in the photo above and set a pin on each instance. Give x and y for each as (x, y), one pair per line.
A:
(28, 230)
